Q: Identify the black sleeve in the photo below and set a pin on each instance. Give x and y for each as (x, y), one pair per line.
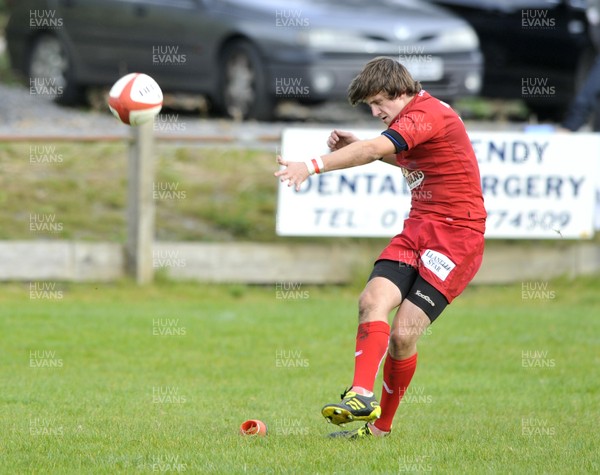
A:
(399, 143)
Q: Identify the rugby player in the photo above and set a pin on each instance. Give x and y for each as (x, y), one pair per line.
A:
(435, 256)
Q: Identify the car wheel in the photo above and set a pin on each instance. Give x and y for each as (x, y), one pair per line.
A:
(244, 91)
(51, 70)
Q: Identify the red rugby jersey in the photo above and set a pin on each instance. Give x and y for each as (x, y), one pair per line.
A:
(440, 166)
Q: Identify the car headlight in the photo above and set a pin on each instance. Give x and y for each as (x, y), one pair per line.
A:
(338, 41)
(458, 40)
(593, 15)
(473, 83)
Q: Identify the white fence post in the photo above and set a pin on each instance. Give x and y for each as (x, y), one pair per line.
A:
(140, 206)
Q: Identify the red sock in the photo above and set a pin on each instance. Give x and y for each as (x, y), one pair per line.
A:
(371, 344)
(396, 378)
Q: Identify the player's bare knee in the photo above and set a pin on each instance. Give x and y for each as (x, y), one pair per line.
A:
(374, 305)
(367, 306)
(403, 340)
(379, 297)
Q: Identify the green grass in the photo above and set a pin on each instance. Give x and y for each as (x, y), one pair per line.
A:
(202, 194)
(502, 110)
(211, 194)
(228, 194)
(82, 185)
(100, 410)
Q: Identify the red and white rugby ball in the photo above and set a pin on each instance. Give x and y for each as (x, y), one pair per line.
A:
(135, 99)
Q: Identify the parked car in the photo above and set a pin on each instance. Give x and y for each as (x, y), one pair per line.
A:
(244, 55)
(535, 50)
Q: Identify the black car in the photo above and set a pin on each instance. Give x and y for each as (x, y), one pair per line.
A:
(534, 50)
(244, 55)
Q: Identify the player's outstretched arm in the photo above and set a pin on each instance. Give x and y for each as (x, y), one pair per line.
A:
(354, 154)
(340, 138)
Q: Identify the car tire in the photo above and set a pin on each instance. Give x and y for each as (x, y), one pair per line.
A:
(50, 67)
(243, 84)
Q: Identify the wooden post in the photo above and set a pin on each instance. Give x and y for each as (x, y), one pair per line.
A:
(140, 206)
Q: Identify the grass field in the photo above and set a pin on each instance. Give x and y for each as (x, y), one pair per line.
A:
(121, 379)
(211, 201)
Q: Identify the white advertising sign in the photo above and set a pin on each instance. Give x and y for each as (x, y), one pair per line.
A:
(536, 186)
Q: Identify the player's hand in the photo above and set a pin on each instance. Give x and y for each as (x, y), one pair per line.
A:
(294, 172)
(340, 138)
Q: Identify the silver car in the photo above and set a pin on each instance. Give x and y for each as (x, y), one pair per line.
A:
(245, 56)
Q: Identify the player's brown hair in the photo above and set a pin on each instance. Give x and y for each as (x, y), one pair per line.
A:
(385, 75)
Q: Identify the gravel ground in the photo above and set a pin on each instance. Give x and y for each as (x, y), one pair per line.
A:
(23, 114)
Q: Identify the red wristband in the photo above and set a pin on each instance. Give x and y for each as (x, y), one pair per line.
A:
(316, 165)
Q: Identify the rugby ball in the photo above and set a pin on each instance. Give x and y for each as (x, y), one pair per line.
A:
(135, 99)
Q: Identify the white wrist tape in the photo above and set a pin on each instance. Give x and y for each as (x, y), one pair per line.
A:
(315, 165)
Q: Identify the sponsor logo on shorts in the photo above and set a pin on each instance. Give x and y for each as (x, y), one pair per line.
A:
(437, 263)
(427, 298)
